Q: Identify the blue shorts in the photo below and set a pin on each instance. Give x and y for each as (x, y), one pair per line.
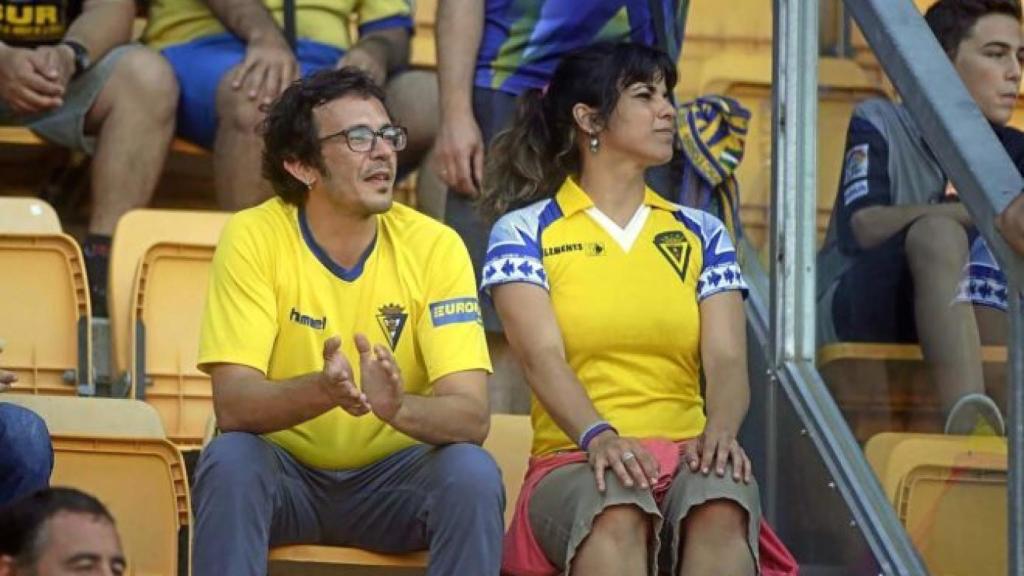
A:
(201, 64)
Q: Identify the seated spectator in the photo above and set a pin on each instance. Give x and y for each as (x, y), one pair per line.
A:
(590, 271)
(898, 241)
(26, 455)
(59, 531)
(381, 453)
(76, 83)
(232, 59)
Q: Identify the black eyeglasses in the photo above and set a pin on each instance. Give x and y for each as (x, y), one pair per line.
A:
(362, 138)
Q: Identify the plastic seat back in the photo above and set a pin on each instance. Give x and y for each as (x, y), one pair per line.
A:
(25, 215)
(44, 314)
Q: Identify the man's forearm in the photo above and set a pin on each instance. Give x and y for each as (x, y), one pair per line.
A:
(460, 25)
(102, 26)
(443, 419)
(876, 224)
(260, 406)
(248, 19)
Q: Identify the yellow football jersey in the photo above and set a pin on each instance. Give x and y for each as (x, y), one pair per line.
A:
(275, 297)
(626, 301)
(326, 21)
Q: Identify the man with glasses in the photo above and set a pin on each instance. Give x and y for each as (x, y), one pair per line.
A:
(342, 334)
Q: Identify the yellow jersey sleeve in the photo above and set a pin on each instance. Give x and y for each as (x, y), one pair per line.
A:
(377, 15)
(450, 331)
(240, 318)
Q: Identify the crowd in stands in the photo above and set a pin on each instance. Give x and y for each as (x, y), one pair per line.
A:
(349, 339)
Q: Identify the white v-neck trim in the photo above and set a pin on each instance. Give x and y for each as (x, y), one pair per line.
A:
(624, 237)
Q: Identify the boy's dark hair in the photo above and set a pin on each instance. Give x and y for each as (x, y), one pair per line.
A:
(952, 20)
(290, 132)
(22, 521)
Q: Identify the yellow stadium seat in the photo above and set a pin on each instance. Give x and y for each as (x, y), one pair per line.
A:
(99, 416)
(423, 49)
(21, 136)
(170, 290)
(138, 231)
(23, 215)
(44, 314)
(142, 482)
(950, 494)
(509, 444)
(885, 387)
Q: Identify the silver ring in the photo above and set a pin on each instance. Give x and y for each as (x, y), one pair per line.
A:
(627, 455)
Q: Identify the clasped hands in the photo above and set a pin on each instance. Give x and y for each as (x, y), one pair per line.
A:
(381, 391)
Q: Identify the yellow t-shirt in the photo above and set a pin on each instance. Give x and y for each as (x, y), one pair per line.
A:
(275, 297)
(626, 302)
(326, 21)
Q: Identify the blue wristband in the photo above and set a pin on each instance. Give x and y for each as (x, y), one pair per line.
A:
(593, 431)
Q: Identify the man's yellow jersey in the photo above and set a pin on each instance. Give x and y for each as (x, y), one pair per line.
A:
(275, 297)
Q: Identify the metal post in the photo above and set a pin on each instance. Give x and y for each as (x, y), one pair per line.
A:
(1015, 434)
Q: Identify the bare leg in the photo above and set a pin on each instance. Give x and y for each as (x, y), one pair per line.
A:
(715, 541)
(237, 149)
(936, 251)
(993, 326)
(413, 100)
(133, 118)
(616, 545)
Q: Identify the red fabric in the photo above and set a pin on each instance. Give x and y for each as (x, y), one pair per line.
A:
(523, 556)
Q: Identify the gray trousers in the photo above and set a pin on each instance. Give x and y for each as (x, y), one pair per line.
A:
(250, 495)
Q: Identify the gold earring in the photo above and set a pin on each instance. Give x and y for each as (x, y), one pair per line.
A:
(594, 143)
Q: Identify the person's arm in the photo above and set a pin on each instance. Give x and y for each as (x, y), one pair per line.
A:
(533, 334)
(269, 64)
(459, 146)
(102, 26)
(457, 411)
(379, 52)
(723, 345)
(244, 400)
(874, 225)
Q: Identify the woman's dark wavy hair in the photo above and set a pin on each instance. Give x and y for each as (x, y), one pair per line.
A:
(952, 20)
(530, 160)
(290, 132)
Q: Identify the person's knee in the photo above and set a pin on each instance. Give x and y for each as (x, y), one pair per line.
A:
(26, 441)
(145, 77)
(235, 110)
(717, 520)
(413, 99)
(235, 460)
(937, 241)
(623, 525)
(471, 476)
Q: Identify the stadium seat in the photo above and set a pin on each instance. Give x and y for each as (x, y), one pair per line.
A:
(99, 416)
(509, 443)
(18, 135)
(158, 269)
(137, 232)
(24, 215)
(423, 51)
(44, 314)
(885, 387)
(170, 290)
(142, 482)
(950, 494)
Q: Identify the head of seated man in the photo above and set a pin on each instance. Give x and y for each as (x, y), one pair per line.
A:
(332, 146)
(59, 531)
(983, 39)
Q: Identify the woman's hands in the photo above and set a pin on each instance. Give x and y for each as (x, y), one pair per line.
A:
(630, 461)
(714, 449)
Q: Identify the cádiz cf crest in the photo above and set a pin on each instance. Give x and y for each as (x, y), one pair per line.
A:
(391, 318)
(674, 247)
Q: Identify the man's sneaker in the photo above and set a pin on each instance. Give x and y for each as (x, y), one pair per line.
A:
(975, 415)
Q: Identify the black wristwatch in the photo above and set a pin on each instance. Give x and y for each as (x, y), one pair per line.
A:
(82, 61)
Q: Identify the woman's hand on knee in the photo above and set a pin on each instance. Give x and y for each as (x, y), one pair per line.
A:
(631, 462)
(714, 449)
